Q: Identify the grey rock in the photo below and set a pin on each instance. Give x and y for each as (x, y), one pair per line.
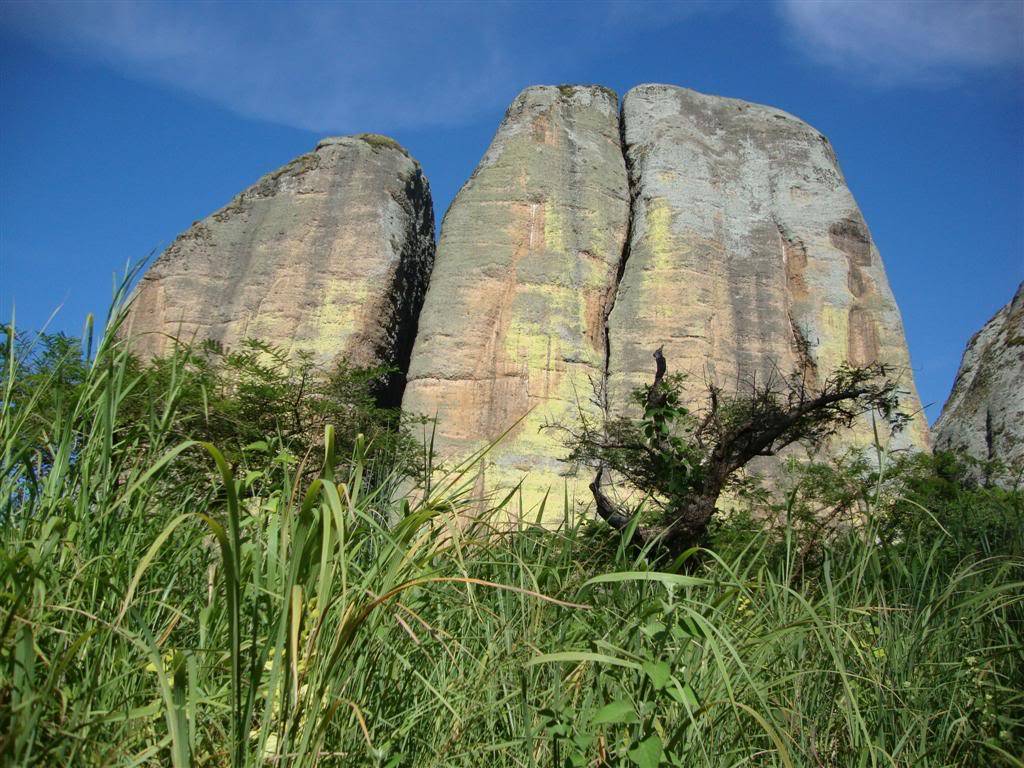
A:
(984, 415)
(747, 255)
(512, 331)
(330, 254)
(584, 240)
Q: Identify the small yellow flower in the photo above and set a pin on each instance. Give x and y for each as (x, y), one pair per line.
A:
(167, 658)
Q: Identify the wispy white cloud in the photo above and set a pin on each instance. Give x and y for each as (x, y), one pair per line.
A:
(339, 66)
(317, 66)
(908, 42)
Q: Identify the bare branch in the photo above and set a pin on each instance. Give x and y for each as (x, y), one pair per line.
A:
(683, 462)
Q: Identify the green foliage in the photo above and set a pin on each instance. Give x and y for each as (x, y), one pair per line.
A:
(658, 452)
(913, 498)
(173, 602)
(238, 399)
(683, 462)
(934, 498)
(258, 404)
(44, 377)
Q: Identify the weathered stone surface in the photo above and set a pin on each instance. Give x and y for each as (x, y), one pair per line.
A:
(330, 254)
(984, 415)
(512, 330)
(731, 239)
(747, 253)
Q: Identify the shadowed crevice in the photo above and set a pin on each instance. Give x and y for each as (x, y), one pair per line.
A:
(613, 293)
(407, 291)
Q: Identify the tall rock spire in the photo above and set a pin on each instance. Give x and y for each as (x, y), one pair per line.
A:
(512, 332)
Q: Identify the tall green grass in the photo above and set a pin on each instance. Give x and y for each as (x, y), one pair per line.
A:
(240, 618)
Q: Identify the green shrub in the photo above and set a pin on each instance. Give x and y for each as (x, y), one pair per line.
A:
(934, 498)
(245, 401)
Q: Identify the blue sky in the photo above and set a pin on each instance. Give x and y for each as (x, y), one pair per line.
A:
(121, 124)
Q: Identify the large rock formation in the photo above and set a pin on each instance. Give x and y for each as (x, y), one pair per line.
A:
(747, 253)
(512, 332)
(330, 254)
(731, 240)
(984, 415)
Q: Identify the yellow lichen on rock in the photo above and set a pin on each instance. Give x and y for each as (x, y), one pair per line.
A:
(530, 249)
(747, 258)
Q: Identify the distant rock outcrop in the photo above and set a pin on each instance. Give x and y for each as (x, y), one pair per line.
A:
(984, 415)
(747, 254)
(330, 254)
(512, 332)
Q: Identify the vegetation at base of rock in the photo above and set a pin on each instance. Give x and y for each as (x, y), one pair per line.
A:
(257, 404)
(683, 461)
(168, 601)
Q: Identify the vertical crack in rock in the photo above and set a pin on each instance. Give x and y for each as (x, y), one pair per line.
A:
(804, 352)
(408, 288)
(613, 291)
(990, 449)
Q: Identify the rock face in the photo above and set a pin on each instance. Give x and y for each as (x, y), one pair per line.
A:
(512, 331)
(585, 239)
(747, 253)
(984, 415)
(330, 254)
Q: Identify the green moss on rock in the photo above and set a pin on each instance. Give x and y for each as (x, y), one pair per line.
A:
(567, 90)
(378, 142)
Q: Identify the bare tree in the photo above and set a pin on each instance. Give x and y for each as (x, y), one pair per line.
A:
(683, 461)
